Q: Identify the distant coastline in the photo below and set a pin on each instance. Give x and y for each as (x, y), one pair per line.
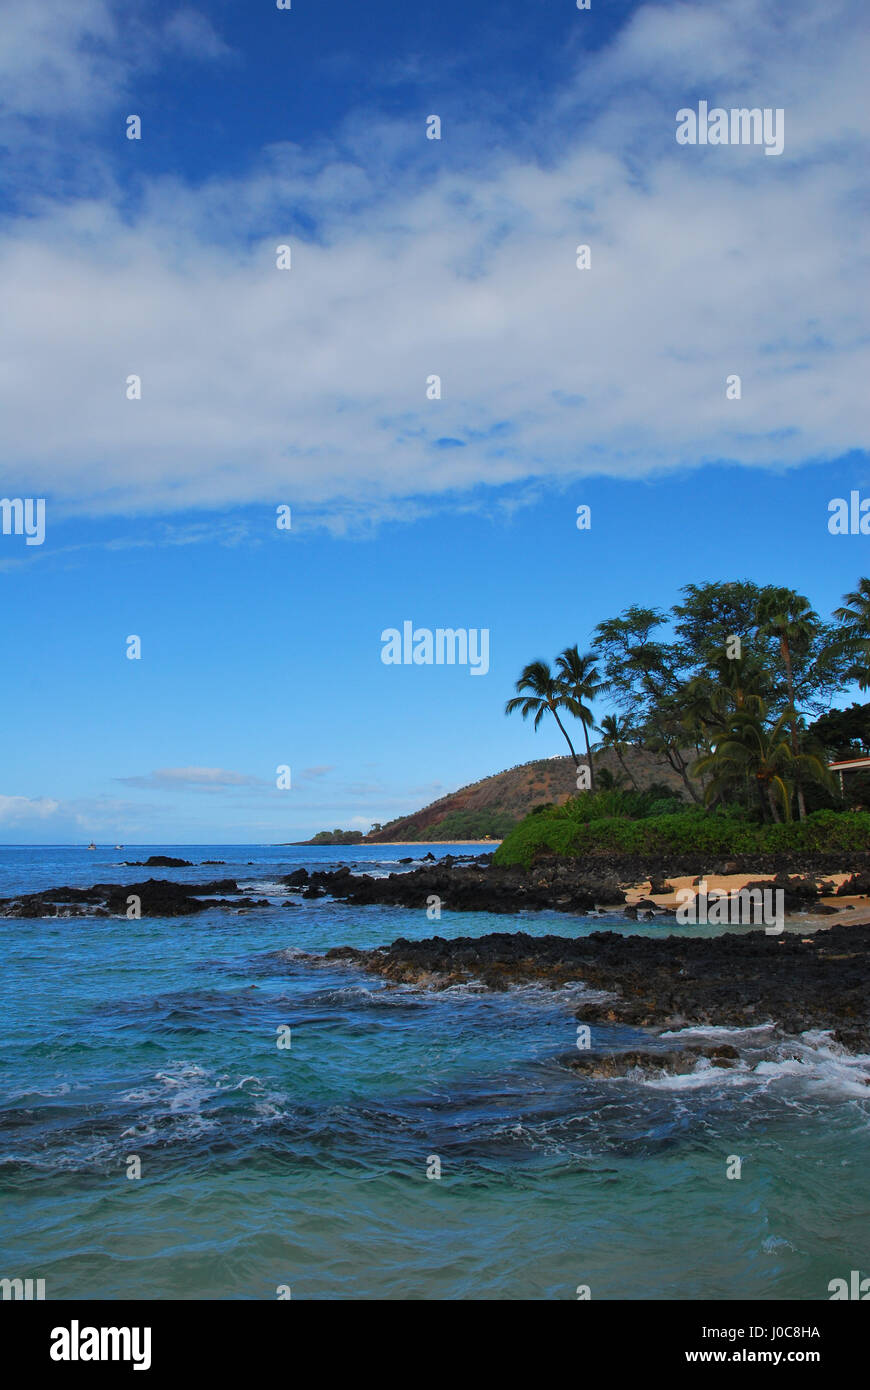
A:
(395, 844)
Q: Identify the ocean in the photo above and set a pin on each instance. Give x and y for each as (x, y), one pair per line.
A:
(310, 1170)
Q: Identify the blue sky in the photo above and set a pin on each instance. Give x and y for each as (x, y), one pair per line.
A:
(411, 257)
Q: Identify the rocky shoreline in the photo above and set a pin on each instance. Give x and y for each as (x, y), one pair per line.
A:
(794, 981)
(664, 983)
(156, 898)
(581, 886)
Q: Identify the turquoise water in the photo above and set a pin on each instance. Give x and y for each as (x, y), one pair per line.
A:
(264, 1167)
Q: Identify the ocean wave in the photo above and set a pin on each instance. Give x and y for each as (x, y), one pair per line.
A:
(364, 996)
(812, 1060)
(718, 1031)
(25, 1098)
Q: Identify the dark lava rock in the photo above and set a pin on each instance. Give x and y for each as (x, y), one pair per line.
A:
(732, 980)
(157, 898)
(298, 877)
(677, 1061)
(158, 861)
(554, 884)
(472, 887)
(635, 868)
(576, 886)
(798, 890)
(858, 886)
(660, 885)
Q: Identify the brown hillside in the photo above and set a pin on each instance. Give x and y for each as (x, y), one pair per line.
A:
(508, 796)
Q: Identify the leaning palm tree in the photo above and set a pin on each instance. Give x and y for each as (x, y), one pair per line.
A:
(855, 618)
(540, 693)
(616, 734)
(580, 681)
(788, 616)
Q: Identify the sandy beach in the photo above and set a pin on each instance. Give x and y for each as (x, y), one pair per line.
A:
(852, 910)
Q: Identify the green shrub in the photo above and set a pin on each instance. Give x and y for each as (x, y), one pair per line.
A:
(567, 831)
(469, 825)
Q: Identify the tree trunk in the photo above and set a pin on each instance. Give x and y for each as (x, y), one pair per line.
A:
(589, 757)
(625, 769)
(567, 739)
(786, 656)
(679, 766)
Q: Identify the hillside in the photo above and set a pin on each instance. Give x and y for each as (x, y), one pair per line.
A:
(491, 807)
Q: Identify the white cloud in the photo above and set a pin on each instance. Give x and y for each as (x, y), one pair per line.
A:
(194, 778)
(57, 58)
(20, 808)
(308, 386)
(193, 35)
(50, 820)
(75, 60)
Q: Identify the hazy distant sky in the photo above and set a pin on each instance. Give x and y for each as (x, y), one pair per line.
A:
(410, 257)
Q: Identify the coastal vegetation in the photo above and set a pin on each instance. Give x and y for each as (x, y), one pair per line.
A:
(335, 837)
(587, 826)
(732, 689)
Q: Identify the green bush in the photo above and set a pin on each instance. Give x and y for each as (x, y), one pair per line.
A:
(469, 825)
(567, 831)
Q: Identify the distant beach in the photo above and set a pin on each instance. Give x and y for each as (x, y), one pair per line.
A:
(427, 844)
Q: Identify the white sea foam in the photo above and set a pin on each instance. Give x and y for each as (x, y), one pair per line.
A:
(704, 1074)
(49, 1093)
(813, 1061)
(245, 1081)
(139, 1132)
(710, 1031)
(771, 1244)
(182, 1089)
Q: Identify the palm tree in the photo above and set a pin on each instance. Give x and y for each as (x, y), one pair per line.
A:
(540, 693)
(580, 680)
(787, 615)
(616, 734)
(855, 618)
(755, 751)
